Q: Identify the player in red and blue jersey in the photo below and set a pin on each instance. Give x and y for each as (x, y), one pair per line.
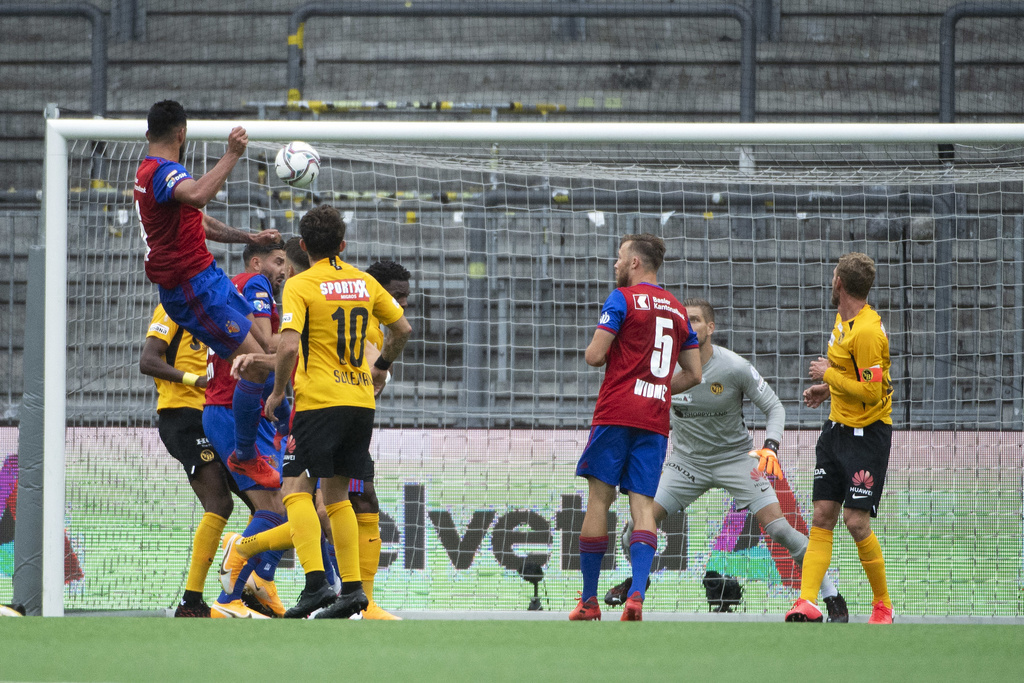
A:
(643, 332)
(264, 274)
(194, 292)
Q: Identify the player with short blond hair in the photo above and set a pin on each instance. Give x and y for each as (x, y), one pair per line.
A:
(852, 453)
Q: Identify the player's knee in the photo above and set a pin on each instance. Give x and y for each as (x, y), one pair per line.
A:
(219, 504)
(364, 503)
(858, 523)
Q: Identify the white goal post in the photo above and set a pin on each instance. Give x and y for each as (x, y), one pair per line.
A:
(59, 132)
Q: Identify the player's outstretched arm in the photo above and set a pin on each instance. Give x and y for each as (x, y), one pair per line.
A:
(225, 234)
(689, 373)
(597, 352)
(152, 362)
(198, 193)
(244, 361)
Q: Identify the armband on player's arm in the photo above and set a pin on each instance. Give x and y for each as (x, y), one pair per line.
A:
(189, 378)
(768, 458)
(869, 392)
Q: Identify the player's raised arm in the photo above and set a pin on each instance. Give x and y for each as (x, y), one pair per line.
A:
(217, 231)
(198, 193)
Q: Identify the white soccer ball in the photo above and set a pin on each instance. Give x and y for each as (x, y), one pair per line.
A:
(297, 164)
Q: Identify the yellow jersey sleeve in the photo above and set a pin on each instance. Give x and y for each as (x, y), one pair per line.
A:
(858, 374)
(334, 307)
(184, 352)
(375, 335)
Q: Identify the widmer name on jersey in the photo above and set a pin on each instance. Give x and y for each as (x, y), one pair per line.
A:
(345, 290)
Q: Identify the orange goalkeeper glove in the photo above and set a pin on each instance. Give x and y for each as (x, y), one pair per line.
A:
(768, 459)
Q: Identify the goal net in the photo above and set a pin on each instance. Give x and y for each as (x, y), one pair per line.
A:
(510, 232)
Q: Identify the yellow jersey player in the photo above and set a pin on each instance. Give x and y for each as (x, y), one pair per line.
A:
(852, 454)
(177, 362)
(327, 312)
(394, 278)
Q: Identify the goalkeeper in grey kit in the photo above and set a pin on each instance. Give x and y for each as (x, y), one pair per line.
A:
(711, 448)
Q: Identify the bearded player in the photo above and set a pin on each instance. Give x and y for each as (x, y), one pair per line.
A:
(194, 292)
(851, 457)
(642, 333)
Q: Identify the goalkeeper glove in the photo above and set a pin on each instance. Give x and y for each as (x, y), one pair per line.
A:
(768, 459)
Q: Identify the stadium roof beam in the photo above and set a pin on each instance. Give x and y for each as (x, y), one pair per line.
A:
(748, 39)
(947, 46)
(99, 40)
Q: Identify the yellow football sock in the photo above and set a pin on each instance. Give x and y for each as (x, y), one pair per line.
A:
(345, 532)
(204, 547)
(817, 558)
(870, 552)
(369, 549)
(305, 530)
(278, 538)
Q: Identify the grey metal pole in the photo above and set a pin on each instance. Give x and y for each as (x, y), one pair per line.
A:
(360, 8)
(1018, 323)
(99, 41)
(28, 528)
(477, 306)
(945, 232)
(947, 46)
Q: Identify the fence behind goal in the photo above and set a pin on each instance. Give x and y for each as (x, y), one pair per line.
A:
(511, 249)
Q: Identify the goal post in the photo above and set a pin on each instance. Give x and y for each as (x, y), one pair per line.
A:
(566, 161)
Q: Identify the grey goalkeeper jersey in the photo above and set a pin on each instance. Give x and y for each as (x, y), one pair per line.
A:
(707, 420)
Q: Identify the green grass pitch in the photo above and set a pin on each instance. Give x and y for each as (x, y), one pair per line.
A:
(133, 649)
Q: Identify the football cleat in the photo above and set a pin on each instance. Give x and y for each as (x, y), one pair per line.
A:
(14, 611)
(265, 593)
(310, 601)
(803, 610)
(634, 609)
(231, 562)
(880, 614)
(616, 595)
(346, 605)
(836, 608)
(375, 612)
(586, 610)
(193, 609)
(259, 469)
(234, 610)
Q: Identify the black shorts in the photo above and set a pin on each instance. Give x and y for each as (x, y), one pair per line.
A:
(181, 430)
(331, 442)
(850, 464)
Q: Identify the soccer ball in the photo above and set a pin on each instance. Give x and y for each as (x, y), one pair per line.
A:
(297, 164)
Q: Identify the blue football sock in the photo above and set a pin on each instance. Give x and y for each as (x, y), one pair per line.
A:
(642, 547)
(327, 554)
(592, 550)
(266, 563)
(247, 406)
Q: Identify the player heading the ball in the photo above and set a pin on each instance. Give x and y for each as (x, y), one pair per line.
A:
(194, 292)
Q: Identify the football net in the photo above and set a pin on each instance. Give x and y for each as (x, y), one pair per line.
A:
(510, 232)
